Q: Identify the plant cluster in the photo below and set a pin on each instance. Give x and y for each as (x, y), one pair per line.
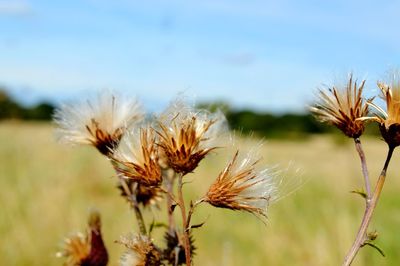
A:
(347, 109)
(152, 158)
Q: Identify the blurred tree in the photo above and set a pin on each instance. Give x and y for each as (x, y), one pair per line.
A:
(42, 111)
(214, 106)
(268, 124)
(10, 109)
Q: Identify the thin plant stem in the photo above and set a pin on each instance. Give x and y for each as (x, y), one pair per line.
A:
(181, 203)
(134, 205)
(364, 168)
(169, 183)
(369, 210)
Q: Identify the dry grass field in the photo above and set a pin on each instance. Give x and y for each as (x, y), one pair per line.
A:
(47, 189)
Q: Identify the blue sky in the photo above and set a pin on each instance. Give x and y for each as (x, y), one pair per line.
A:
(268, 55)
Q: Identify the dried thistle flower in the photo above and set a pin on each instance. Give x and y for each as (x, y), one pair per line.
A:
(76, 249)
(240, 186)
(145, 195)
(140, 251)
(342, 107)
(187, 135)
(389, 122)
(86, 250)
(100, 122)
(137, 157)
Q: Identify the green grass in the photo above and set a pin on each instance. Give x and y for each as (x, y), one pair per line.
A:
(47, 189)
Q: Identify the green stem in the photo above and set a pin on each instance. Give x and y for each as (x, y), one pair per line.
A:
(181, 203)
(134, 205)
(169, 184)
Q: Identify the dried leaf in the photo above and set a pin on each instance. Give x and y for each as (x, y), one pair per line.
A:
(360, 192)
(173, 206)
(155, 224)
(373, 245)
(197, 225)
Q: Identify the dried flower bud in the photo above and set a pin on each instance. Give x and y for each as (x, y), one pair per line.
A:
(240, 186)
(145, 195)
(100, 123)
(86, 250)
(342, 108)
(140, 251)
(76, 249)
(389, 122)
(187, 136)
(137, 157)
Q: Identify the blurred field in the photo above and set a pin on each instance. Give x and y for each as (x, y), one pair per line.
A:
(47, 189)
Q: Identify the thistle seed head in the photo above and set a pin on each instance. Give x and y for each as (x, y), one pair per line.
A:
(137, 157)
(343, 108)
(140, 251)
(76, 249)
(86, 250)
(100, 122)
(240, 186)
(186, 136)
(389, 121)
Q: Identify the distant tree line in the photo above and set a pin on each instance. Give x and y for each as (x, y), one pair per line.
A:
(289, 125)
(11, 109)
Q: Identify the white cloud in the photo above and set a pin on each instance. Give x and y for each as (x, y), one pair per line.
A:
(239, 59)
(15, 8)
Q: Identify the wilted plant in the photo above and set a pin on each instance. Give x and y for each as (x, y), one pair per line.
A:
(345, 108)
(151, 160)
(140, 251)
(86, 249)
(240, 186)
(100, 123)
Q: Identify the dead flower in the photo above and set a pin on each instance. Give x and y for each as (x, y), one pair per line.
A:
(342, 107)
(389, 122)
(100, 122)
(86, 250)
(187, 135)
(240, 186)
(140, 251)
(137, 157)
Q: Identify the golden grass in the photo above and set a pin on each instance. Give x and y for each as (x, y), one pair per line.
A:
(47, 189)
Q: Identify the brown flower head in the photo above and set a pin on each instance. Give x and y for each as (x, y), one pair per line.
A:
(86, 250)
(187, 135)
(137, 157)
(240, 186)
(76, 249)
(140, 251)
(389, 122)
(342, 107)
(145, 195)
(100, 123)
